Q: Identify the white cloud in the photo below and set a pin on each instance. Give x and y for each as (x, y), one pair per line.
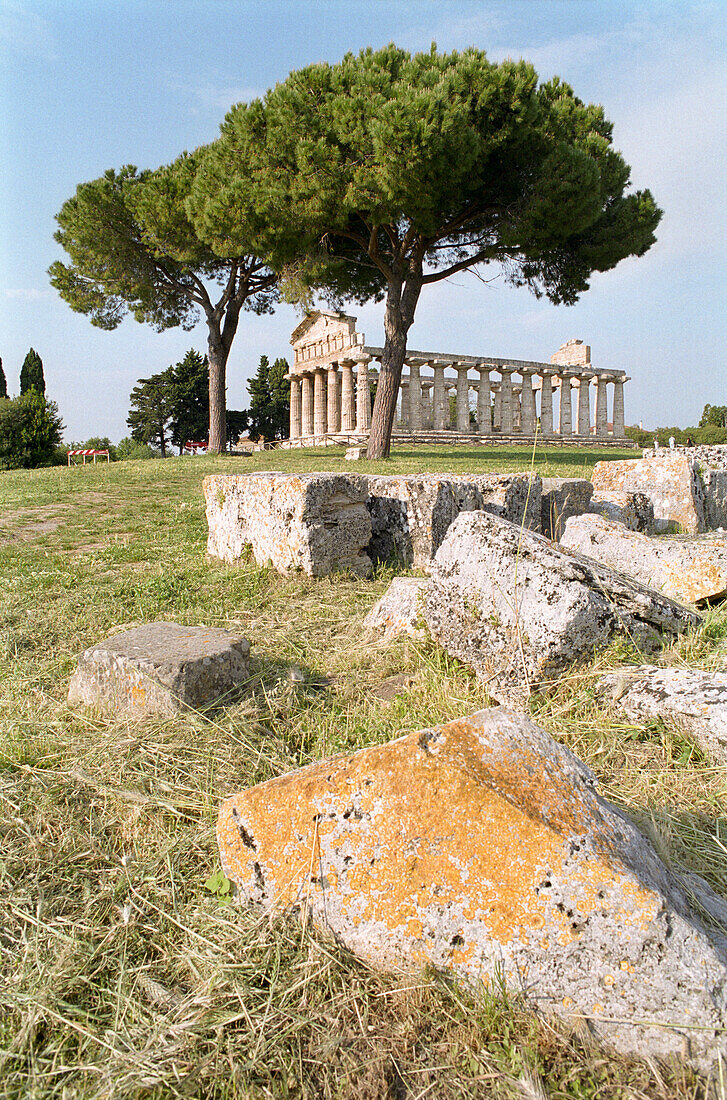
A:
(217, 95)
(24, 31)
(27, 294)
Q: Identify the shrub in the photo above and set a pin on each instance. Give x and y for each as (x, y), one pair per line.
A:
(132, 449)
(30, 431)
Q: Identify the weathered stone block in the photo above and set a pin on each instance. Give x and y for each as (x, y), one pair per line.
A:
(160, 667)
(483, 846)
(411, 514)
(399, 611)
(671, 482)
(683, 568)
(633, 510)
(562, 497)
(317, 523)
(695, 700)
(520, 610)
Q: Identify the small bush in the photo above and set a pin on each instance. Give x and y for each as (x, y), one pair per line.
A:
(132, 449)
(30, 431)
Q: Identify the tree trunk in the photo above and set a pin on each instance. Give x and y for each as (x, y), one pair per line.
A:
(401, 301)
(219, 343)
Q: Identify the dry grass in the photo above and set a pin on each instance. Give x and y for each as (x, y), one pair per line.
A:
(121, 973)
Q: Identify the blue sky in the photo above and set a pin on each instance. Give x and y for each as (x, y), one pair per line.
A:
(93, 84)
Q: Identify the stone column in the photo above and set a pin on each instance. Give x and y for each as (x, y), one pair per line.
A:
(363, 398)
(484, 416)
(427, 417)
(307, 404)
(415, 397)
(546, 404)
(295, 407)
(619, 425)
(333, 412)
(506, 400)
(527, 418)
(497, 411)
(463, 400)
(584, 404)
(601, 407)
(440, 400)
(565, 422)
(348, 404)
(404, 390)
(320, 418)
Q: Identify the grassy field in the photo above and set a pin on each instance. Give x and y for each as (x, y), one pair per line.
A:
(122, 972)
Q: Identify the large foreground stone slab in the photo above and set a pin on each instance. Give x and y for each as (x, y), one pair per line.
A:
(521, 611)
(399, 611)
(562, 497)
(411, 514)
(317, 523)
(692, 569)
(695, 700)
(483, 846)
(670, 480)
(160, 668)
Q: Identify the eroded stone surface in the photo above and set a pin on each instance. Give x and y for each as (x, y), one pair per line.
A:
(520, 610)
(692, 569)
(399, 611)
(696, 700)
(670, 480)
(562, 497)
(633, 510)
(161, 668)
(411, 514)
(482, 846)
(317, 523)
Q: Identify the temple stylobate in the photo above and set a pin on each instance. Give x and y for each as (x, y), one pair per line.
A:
(447, 397)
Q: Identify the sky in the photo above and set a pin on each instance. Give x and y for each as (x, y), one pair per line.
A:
(88, 85)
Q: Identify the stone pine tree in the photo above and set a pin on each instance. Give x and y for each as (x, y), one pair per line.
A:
(31, 374)
(269, 414)
(387, 172)
(3, 382)
(133, 248)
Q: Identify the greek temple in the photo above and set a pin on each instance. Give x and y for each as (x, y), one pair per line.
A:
(330, 392)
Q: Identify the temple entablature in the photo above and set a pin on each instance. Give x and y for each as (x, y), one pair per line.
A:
(331, 377)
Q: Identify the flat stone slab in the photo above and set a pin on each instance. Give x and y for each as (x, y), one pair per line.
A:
(160, 668)
(670, 480)
(686, 568)
(562, 497)
(314, 523)
(482, 846)
(399, 611)
(520, 610)
(695, 700)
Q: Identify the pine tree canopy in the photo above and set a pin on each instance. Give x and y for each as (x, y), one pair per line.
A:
(269, 412)
(3, 382)
(31, 374)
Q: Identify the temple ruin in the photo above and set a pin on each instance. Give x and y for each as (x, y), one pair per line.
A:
(330, 392)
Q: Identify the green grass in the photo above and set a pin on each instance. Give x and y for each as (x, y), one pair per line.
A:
(121, 974)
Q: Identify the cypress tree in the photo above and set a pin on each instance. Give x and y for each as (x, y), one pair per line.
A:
(3, 381)
(31, 374)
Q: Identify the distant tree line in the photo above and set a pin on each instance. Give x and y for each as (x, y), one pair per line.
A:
(712, 429)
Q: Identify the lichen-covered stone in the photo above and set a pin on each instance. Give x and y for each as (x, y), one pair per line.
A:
(695, 700)
(562, 497)
(399, 611)
(521, 611)
(670, 480)
(317, 523)
(483, 847)
(633, 510)
(160, 668)
(682, 567)
(411, 514)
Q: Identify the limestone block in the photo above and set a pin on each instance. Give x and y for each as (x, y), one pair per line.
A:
(562, 497)
(693, 569)
(521, 611)
(482, 846)
(399, 611)
(354, 454)
(160, 668)
(411, 514)
(696, 700)
(317, 523)
(669, 479)
(633, 510)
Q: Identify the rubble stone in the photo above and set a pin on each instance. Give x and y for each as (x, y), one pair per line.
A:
(562, 497)
(670, 480)
(521, 611)
(317, 523)
(685, 568)
(482, 846)
(160, 668)
(634, 510)
(695, 700)
(399, 610)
